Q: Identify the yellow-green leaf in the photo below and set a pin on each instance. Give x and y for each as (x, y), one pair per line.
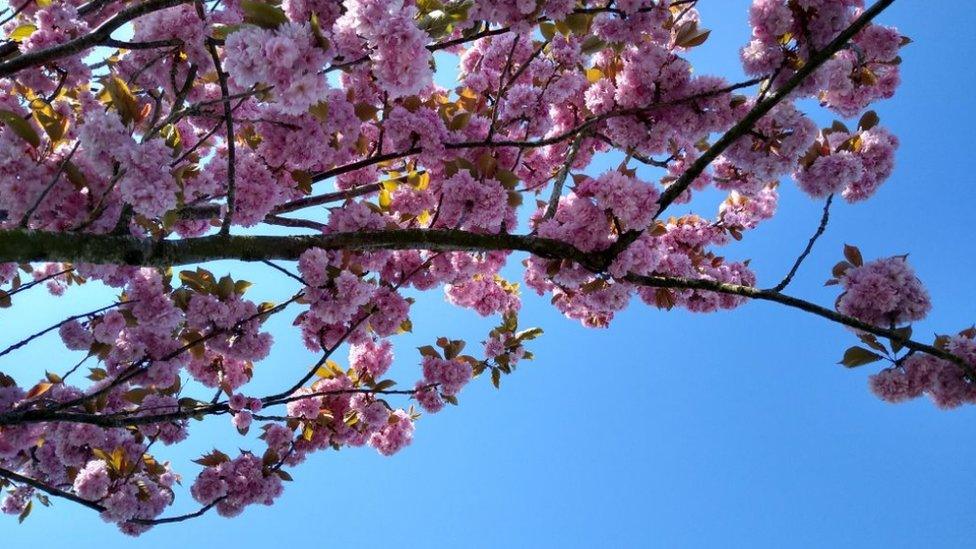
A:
(263, 15)
(22, 32)
(122, 99)
(21, 127)
(53, 123)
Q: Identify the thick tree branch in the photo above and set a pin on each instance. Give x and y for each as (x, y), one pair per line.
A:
(90, 40)
(27, 246)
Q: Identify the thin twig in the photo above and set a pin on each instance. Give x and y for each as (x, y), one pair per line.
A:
(806, 251)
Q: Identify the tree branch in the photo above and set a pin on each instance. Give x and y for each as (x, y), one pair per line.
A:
(28, 245)
(749, 120)
(90, 40)
(796, 303)
(806, 251)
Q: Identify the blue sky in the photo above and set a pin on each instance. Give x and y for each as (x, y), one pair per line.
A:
(669, 429)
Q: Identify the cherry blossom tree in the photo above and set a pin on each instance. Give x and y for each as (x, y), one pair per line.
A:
(138, 139)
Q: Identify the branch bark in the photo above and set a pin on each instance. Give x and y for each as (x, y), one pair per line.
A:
(27, 245)
(84, 42)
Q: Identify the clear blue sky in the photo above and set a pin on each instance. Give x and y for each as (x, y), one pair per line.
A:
(669, 429)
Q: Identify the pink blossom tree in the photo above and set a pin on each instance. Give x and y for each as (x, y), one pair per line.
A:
(124, 162)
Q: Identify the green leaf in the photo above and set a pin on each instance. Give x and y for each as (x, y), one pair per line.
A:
(528, 334)
(122, 99)
(859, 356)
(547, 29)
(263, 15)
(904, 334)
(53, 123)
(21, 127)
(592, 45)
(384, 385)
(22, 32)
(579, 23)
(221, 32)
(225, 287)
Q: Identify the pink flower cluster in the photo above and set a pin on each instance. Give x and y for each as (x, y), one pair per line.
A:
(883, 292)
(785, 33)
(235, 484)
(401, 62)
(945, 382)
(854, 165)
(286, 58)
(336, 93)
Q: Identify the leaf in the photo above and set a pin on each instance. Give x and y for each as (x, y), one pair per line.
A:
(39, 389)
(688, 35)
(4, 299)
(194, 281)
(320, 39)
(593, 75)
(283, 475)
(841, 268)
(97, 374)
(221, 32)
(664, 299)
(26, 512)
(838, 126)
(904, 334)
(868, 121)
(695, 39)
(320, 111)
(225, 287)
(137, 395)
(853, 254)
(241, 286)
(427, 350)
(123, 100)
(365, 111)
(53, 123)
(216, 457)
(263, 15)
(592, 45)
(859, 356)
(487, 164)
(384, 385)
(459, 121)
(385, 198)
(579, 23)
(528, 334)
(303, 181)
(547, 29)
(21, 127)
(22, 32)
(871, 341)
(496, 377)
